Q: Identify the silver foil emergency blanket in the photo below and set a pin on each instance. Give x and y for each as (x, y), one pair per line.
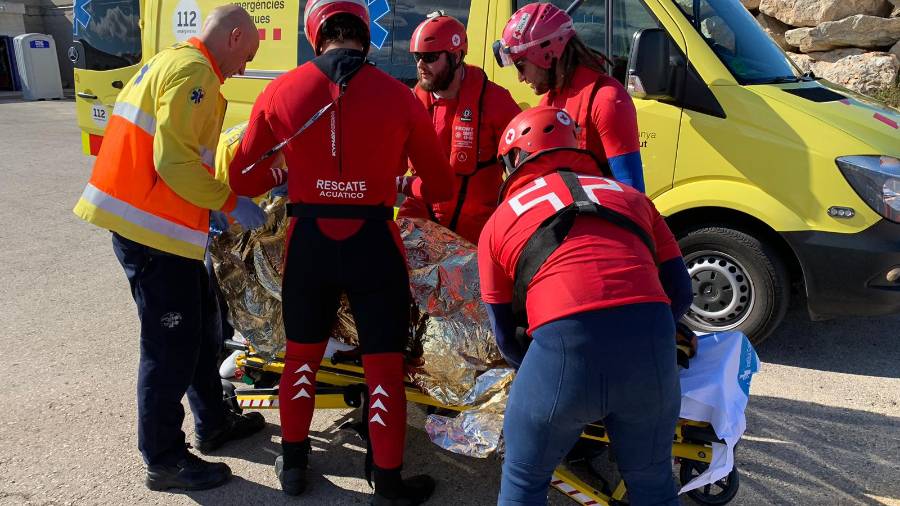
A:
(451, 352)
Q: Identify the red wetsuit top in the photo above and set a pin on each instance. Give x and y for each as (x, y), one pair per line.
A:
(611, 128)
(485, 177)
(599, 265)
(353, 153)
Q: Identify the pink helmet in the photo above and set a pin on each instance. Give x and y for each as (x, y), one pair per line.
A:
(319, 11)
(537, 32)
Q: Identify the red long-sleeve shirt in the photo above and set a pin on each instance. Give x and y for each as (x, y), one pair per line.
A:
(599, 265)
(352, 154)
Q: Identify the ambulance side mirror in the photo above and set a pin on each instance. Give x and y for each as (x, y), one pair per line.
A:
(653, 66)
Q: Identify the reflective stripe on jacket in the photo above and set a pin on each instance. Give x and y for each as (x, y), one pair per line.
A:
(153, 180)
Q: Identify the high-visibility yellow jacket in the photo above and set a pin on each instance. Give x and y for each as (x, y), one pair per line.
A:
(229, 142)
(154, 177)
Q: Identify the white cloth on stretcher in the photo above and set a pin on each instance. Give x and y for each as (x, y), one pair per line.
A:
(716, 389)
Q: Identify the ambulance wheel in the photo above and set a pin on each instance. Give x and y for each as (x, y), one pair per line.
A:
(229, 397)
(738, 281)
(719, 492)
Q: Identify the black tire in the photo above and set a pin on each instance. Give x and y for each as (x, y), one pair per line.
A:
(739, 282)
(229, 397)
(717, 493)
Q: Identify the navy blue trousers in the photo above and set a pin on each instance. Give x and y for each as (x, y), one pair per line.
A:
(616, 365)
(180, 338)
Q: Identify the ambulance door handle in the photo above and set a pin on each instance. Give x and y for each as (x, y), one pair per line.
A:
(118, 85)
(87, 96)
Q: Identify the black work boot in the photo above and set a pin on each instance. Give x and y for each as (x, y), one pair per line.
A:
(392, 490)
(291, 466)
(236, 426)
(190, 473)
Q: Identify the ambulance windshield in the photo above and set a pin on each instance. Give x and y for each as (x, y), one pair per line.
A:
(732, 33)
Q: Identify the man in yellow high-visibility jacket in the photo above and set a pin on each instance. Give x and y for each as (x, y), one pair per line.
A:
(153, 186)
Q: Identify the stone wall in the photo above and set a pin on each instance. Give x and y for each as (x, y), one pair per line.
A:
(11, 18)
(855, 43)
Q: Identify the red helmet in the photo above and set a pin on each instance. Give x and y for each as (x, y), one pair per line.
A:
(534, 130)
(439, 33)
(318, 11)
(537, 32)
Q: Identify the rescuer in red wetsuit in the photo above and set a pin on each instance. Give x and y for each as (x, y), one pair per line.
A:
(540, 41)
(361, 124)
(590, 267)
(469, 113)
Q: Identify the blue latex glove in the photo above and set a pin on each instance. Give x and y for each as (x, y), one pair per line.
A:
(280, 191)
(218, 222)
(248, 214)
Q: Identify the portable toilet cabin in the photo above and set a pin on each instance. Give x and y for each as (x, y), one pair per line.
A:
(9, 71)
(38, 66)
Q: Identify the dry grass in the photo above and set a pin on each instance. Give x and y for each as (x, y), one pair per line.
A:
(889, 95)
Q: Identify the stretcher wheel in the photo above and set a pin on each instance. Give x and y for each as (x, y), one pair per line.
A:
(229, 397)
(719, 492)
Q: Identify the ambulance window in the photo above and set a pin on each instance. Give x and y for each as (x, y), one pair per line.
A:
(735, 37)
(394, 28)
(629, 17)
(109, 32)
(589, 18)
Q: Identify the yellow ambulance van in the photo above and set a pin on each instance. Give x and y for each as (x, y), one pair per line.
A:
(776, 183)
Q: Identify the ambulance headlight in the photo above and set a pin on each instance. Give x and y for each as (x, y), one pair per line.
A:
(876, 179)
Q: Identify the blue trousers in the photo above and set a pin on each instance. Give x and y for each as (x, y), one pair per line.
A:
(616, 365)
(180, 338)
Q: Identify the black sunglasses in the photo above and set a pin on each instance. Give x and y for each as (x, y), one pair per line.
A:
(427, 57)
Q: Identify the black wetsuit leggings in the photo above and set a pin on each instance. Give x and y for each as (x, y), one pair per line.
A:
(369, 266)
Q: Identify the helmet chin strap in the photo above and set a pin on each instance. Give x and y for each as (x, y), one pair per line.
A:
(511, 163)
(513, 160)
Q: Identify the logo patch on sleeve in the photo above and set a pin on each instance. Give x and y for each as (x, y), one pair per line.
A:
(197, 95)
(171, 320)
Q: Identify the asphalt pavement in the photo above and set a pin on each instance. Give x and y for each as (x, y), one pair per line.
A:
(823, 420)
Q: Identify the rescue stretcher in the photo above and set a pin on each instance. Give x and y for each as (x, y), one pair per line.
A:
(340, 384)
